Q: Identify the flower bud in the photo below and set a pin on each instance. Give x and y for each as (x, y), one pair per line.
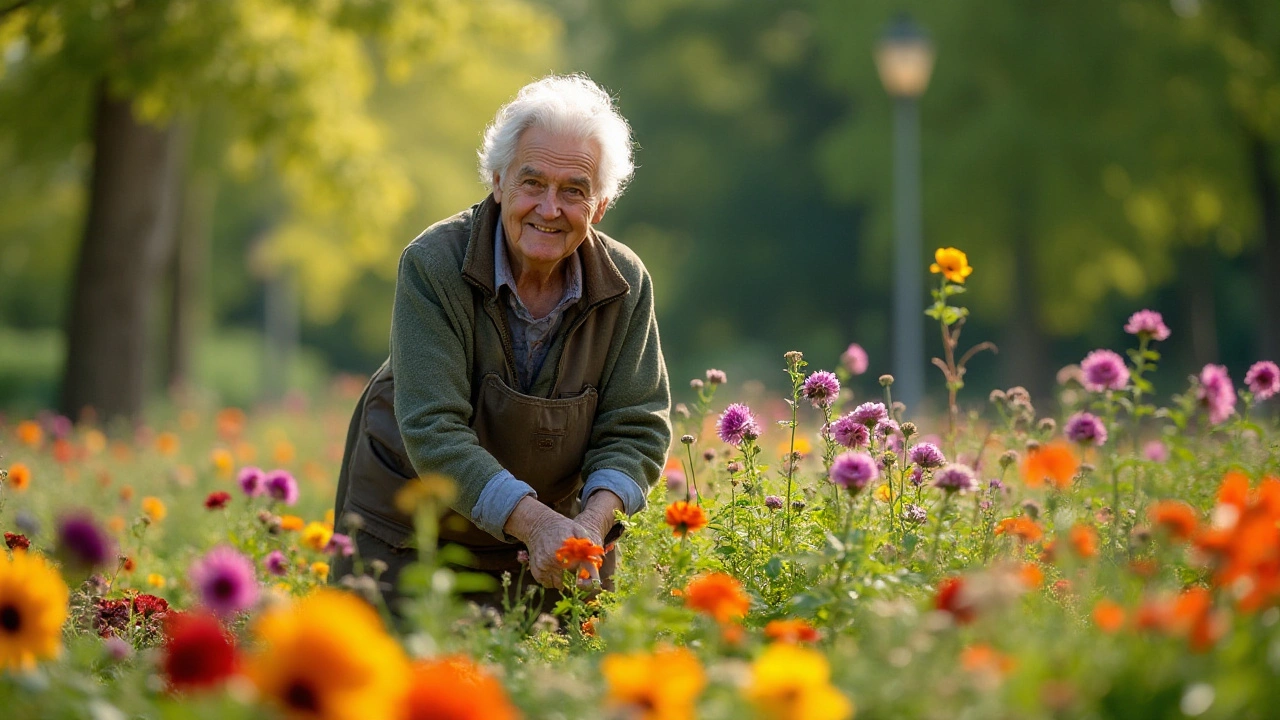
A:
(908, 429)
(1047, 425)
(1008, 457)
(1031, 508)
(377, 567)
(696, 384)
(886, 380)
(716, 377)
(997, 397)
(686, 439)
(793, 358)
(734, 467)
(682, 410)
(353, 521)
(709, 454)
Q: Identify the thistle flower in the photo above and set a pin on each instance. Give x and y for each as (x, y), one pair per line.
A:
(853, 471)
(850, 433)
(250, 480)
(1104, 370)
(821, 388)
(1147, 323)
(954, 478)
(1216, 393)
(773, 502)
(854, 359)
(869, 414)
(737, 424)
(1263, 379)
(927, 456)
(224, 580)
(1086, 429)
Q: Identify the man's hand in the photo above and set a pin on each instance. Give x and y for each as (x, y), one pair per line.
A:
(597, 516)
(543, 531)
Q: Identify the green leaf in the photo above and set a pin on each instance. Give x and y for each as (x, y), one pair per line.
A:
(773, 568)
(415, 579)
(473, 582)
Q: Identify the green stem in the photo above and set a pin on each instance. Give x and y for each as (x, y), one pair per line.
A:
(937, 530)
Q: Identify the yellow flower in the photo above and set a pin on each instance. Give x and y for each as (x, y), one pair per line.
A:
(223, 462)
(328, 656)
(154, 508)
(952, 263)
(883, 493)
(33, 606)
(320, 569)
(790, 682)
(662, 685)
(95, 442)
(156, 580)
(315, 535)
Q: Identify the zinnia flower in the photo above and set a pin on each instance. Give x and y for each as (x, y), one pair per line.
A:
(1149, 323)
(580, 551)
(198, 652)
(83, 543)
(281, 486)
(33, 606)
(719, 595)
(250, 480)
(662, 685)
(1216, 393)
(789, 682)
(16, 541)
(224, 580)
(821, 388)
(1104, 370)
(217, 499)
(1086, 429)
(685, 518)
(1263, 379)
(954, 478)
(455, 688)
(869, 414)
(328, 656)
(850, 433)
(737, 424)
(854, 359)
(853, 471)
(952, 263)
(927, 456)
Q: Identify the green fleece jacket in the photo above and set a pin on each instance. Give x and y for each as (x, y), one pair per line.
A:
(433, 339)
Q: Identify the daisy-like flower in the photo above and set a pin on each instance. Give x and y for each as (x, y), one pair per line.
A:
(869, 414)
(281, 486)
(225, 581)
(952, 263)
(1086, 429)
(737, 424)
(853, 471)
(662, 685)
(579, 551)
(927, 456)
(1216, 394)
(1147, 323)
(198, 652)
(316, 535)
(850, 433)
(790, 682)
(1263, 379)
(719, 595)
(455, 688)
(251, 481)
(33, 606)
(854, 359)
(954, 478)
(1104, 370)
(685, 518)
(821, 388)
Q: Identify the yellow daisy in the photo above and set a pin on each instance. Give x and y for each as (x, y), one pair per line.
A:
(33, 606)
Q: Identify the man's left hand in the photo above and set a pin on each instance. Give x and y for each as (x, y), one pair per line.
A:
(598, 514)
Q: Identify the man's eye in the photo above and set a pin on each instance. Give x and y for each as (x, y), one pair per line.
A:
(531, 183)
(575, 192)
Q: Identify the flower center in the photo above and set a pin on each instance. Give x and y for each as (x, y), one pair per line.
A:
(10, 619)
(300, 696)
(223, 587)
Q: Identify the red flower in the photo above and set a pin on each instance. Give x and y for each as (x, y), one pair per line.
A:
(952, 598)
(217, 500)
(148, 605)
(16, 541)
(198, 653)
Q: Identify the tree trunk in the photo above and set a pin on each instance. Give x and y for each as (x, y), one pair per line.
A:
(1023, 348)
(1268, 196)
(188, 272)
(127, 235)
(1198, 269)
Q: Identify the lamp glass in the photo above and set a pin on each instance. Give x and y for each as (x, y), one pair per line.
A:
(905, 66)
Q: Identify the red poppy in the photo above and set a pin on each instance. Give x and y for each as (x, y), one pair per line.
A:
(217, 500)
(198, 653)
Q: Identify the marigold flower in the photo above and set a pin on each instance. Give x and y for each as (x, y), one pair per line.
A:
(662, 685)
(1021, 527)
(33, 606)
(455, 688)
(156, 580)
(198, 652)
(719, 595)
(1055, 462)
(1108, 616)
(1084, 540)
(19, 476)
(791, 631)
(224, 463)
(952, 263)
(316, 536)
(580, 551)
(1175, 516)
(154, 508)
(1030, 575)
(790, 682)
(320, 569)
(685, 518)
(292, 523)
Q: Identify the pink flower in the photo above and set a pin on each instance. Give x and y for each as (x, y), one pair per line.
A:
(737, 424)
(224, 581)
(854, 359)
(1149, 323)
(1104, 370)
(1086, 429)
(853, 471)
(821, 389)
(1216, 394)
(1263, 379)
(1155, 451)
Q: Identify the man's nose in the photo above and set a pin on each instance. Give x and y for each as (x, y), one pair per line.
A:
(548, 204)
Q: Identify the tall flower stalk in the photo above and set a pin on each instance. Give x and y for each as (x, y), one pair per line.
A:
(953, 265)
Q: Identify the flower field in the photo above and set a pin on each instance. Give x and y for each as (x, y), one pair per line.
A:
(821, 555)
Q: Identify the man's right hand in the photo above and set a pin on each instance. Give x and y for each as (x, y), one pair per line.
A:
(543, 531)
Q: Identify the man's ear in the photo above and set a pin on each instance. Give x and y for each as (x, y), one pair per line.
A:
(604, 205)
(497, 188)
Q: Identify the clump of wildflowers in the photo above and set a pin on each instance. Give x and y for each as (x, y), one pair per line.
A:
(1104, 370)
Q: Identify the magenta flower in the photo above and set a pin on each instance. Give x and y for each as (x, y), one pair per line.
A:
(869, 414)
(224, 580)
(1155, 451)
(954, 478)
(251, 481)
(854, 359)
(81, 542)
(1104, 370)
(1216, 394)
(281, 486)
(850, 433)
(340, 544)
(1086, 429)
(853, 471)
(1263, 379)
(737, 424)
(927, 456)
(276, 563)
(773, 502)
(1149, 323)
(821, 389)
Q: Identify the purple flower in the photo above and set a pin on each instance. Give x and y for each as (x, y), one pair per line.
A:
(737, 424)
(869, 414)
(1155, 451)
(917, 476)
(1086, 429)
(224, 580)
(853, 471)
(1104, 370)
(281, 486)
(854, 359)
(1216, 393)
(927, 456)
(995, 484)
(1263, 379)
(954, 478)
(1149, 323)
(773, 502)
(885, 428)
(251, 481)
(276, 563)
(821, 388)
(850, 433)
(83, 543)
(675, 480)
(339, 544)
(914, 514)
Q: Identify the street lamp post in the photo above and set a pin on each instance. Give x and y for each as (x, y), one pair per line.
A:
(904, 59)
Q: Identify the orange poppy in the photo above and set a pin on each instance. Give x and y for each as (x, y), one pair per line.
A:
(1055, 462)
(685, 518)
(719, 595)
(952, 598)
(19, 476)
(1031, 575)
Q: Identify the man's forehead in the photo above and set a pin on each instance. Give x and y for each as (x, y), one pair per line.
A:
(540, 151)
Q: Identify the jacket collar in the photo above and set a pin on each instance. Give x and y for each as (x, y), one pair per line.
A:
(601, 280)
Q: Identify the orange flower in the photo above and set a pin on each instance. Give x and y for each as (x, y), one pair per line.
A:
(1031, 575)
(167, 444)
(982, 658)
(1193, 615)
(154, 508)
(224, 463)
(63, 451)
(1024, 528)
(719, 595)
(455, 688)
(1234, 490)
(1108, 616)
(1084, 540)
(580, 551)
(1055, 462)
(292, 523)
(952, 598)
(1175, 516)
(29, 433)
(662, 685)
(230, 422)
(791, 631)
(685, 518)
(952, 263)
(116, 524)
(19, 476)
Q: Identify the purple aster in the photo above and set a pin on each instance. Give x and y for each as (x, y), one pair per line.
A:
(1155, 451)
(1263, 379)
(850, 433)
(276, 563)
(281, 486)
(737, 424)
(954, 478)
(251, 481)
(869, 414)
(1086, 429)
(914, 514)
(821, 388)
(1149, 323)
(1217, 393)
(853, 471)
(83, 543)
(926, 455)
(224, 580)
(339, 544)
(773, 502)
(854, 359)
(1104, 370)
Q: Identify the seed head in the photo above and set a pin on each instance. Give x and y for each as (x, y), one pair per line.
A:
(886, 380)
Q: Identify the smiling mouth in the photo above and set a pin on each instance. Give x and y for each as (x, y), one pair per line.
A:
(544, 228)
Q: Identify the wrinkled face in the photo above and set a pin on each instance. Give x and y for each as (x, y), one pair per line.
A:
(548, 198)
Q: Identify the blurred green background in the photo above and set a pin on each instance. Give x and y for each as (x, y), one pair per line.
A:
(1092, 157)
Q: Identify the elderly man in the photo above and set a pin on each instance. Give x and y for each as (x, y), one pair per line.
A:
(525, 362)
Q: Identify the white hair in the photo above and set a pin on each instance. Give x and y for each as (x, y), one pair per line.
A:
(570, 104)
